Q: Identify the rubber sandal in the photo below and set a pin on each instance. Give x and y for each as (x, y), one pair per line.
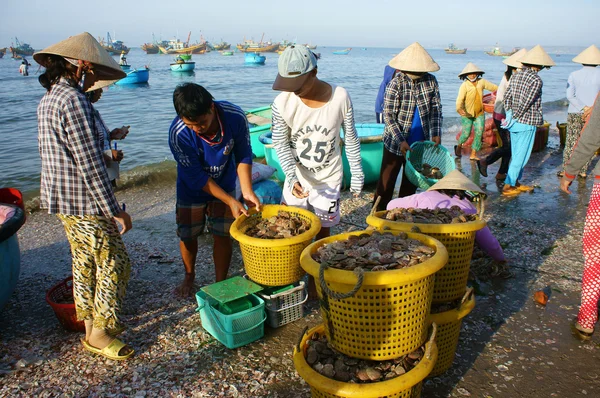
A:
(511, 192)
(580, 334)
(111, 351)
(525, 188)
(482, 170)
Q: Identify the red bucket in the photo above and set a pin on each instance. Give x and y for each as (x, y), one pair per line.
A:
(65, 312)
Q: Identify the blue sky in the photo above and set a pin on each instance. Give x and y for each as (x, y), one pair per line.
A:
(377, 23)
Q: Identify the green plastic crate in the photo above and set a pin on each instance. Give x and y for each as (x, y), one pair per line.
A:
(235, 306)
(233, 330)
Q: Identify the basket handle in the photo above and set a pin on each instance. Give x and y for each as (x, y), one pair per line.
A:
(210, 310)
(431, 340)
(374, 208)
(294, 305)
(358, 271)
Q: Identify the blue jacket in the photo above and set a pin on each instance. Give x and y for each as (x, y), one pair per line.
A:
(388, 74)
(197, 159)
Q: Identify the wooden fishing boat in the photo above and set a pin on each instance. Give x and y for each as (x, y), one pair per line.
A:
(2, 52)
(452, 49)
(113, 47)
(259, 122)
(250, 46)
(222, 46)
(496, 52)
(254, 58)
(21, 48)
(186, 66)
(342, 52)
(150, 48)
(135, 76)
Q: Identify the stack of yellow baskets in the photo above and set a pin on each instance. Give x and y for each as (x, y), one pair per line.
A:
(376, 316)
(450, 281)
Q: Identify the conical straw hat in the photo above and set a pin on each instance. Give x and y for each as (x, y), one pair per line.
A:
(101, 84)
(589, 56)
(457, 181)
(537, 56)
(414, 58)
(514, 59)
(471, 68)
(84, 47)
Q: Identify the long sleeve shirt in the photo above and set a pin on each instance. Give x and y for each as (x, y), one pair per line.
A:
(307, 140)
(499, 111)
(199, 159)
(74, 180)
(524, 97)
(586, 146)
(470, 96)
(436, 200)
(402, 96)
(582, 87)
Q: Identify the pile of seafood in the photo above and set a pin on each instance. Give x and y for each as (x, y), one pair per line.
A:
(283, 225)
(453, 215)
(437, 308)
(375, 252)
(325, 360)
(430, 172)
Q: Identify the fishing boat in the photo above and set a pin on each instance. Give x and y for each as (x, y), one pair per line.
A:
(250, 46)
(259, 122)
(135, 76)
(226, 53)
(255, 58)
(342, 52)
(12, 218)
(183, 66)
(310, 46)
(114, 47)
(285, 44)
(21, 48)
(498, 53)
(452, 49)
(2, 52)
(150, 48)
(126, 68)
(175, 46)
(223, 45)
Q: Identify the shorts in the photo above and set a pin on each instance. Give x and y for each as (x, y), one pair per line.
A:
(323, 200)
(192, 218)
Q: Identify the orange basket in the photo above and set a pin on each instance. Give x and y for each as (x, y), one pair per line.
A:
(65, 312)
(488, 102)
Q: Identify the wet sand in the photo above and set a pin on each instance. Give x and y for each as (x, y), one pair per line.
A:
(509, 345)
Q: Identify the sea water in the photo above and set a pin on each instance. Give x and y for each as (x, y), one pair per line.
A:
(148, 108)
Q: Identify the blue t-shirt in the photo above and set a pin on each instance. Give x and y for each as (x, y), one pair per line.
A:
(198, 159)
(416, 132)
(388, 75)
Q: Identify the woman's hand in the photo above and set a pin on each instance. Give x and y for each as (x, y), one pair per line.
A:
(117, 155)
(299, 192)
(120, 133)
(124, 220)
(252, 200)
(404, 147)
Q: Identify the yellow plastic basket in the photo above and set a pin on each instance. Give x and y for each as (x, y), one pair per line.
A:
(449, 324)
(386, 317)
(406, 386)
(450, 281)
(273, 262)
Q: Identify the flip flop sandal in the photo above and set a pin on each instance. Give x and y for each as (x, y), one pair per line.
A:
(511, 192)
(525, 188)
(111, 351)
(580, 334)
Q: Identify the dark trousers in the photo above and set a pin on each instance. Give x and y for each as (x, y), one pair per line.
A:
(503, 152)
(390, 168)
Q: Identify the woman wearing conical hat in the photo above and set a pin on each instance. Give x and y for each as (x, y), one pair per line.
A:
(469, 105)
(502, 152)
(582, 87)
(76, 187)
(523, 103)
(448, 192)
(412, 111)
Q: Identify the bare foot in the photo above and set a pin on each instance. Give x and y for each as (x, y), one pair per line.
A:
(186, 289)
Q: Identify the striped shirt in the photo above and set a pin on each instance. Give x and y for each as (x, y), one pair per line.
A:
(74, 180)
(524, 97)
(402, 95)
(307, 140)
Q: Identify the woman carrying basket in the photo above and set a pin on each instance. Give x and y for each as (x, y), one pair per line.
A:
(469, 105)
(412, 111)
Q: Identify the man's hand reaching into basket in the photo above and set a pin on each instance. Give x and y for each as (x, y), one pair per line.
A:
(437, 140)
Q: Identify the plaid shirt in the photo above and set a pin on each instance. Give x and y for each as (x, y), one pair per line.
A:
(524, 97)
(402, 95)
(74, 180)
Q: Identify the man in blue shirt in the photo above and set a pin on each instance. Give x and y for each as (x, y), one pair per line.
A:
(210, 142)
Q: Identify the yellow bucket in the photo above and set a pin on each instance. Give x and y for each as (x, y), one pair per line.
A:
(273, 262)
(386, 316)
(459, 239)
(406, 386)
(449, 324)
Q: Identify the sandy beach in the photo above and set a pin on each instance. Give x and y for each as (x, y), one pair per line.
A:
(509, 346)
